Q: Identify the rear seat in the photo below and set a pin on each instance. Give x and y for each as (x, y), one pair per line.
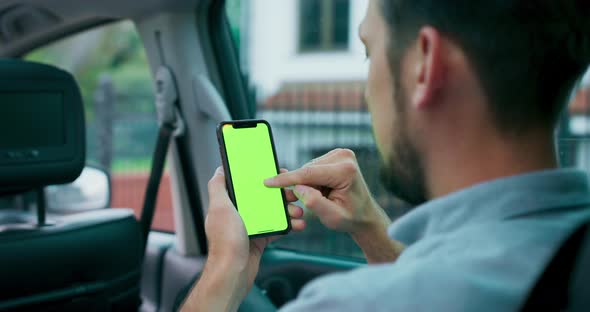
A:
(84, 262)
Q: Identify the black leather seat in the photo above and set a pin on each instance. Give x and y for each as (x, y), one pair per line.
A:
(565, 282)
(86, 261)
(83, 262)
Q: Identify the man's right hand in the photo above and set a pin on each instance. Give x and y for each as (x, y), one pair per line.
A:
(333, 187)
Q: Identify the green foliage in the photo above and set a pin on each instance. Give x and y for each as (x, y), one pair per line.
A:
(115, 50)
(132, 165)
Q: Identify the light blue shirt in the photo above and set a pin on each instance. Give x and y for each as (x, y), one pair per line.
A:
(479, 249)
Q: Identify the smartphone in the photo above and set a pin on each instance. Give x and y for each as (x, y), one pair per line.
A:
(249, 157)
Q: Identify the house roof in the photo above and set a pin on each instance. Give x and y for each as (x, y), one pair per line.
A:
(345, 96)
(348, 96)
(580, 104)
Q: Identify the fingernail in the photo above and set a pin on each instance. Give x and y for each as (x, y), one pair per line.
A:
(269, 182)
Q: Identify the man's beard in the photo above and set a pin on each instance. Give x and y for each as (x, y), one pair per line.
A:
(403, 173)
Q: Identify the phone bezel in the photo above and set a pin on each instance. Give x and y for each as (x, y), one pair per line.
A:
(249, 123)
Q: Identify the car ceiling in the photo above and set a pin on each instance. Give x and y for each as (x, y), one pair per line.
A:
(26, 24)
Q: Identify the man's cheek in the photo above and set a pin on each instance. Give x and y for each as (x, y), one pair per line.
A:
(382, 134)
(373, 97)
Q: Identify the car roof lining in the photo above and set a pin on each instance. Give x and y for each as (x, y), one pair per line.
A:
(24, 45)
(49, 20)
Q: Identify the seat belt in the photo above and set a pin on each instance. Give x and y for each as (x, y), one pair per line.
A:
(552, 290)
(170, 126)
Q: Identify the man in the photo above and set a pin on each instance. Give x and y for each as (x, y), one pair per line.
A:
(464, 96)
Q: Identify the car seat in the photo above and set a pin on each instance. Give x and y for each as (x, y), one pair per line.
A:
(84, 262)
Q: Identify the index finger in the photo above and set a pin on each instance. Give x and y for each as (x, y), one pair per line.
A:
(319, 175)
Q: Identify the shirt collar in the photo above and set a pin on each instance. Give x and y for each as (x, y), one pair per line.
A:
(495, 200)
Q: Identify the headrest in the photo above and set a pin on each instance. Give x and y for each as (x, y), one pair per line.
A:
(42, 132)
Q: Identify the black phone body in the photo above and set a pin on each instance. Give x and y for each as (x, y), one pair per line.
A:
(249, 157)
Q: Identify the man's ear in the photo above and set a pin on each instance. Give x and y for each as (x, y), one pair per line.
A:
(429, 68)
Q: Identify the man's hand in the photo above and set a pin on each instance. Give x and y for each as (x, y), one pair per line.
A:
(233, 259)
(333, 187)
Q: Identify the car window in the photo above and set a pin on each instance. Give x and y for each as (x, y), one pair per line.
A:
(308, 71)
(111, 68)
(574, 130)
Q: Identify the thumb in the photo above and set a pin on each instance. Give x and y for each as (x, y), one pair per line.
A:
(217, 188)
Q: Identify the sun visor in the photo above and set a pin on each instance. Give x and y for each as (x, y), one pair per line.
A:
(42, 132)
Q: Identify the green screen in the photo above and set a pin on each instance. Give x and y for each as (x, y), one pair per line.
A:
(251, 161)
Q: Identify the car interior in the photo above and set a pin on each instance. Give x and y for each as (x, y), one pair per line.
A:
(74, 262)
(77, 233)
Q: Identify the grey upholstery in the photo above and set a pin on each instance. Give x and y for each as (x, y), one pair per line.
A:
(152, 272)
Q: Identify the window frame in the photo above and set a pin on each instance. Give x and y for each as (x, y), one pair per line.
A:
(77, 30)
(239, 101)
(227, 60)
(326, 42)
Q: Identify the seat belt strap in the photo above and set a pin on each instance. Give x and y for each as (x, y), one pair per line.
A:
(170, 126)
(551, 291)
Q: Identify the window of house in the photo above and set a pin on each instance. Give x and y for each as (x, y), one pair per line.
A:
(111, 68)
(324, 25)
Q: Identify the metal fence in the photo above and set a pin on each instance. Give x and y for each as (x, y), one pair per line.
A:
(122, 125)
(121, 136)
(313, 118)
(310, 119)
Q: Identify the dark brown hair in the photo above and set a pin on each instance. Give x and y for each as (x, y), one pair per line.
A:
(528, 54)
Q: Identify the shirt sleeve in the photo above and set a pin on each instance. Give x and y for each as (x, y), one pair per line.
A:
(418, 286)
(484, 267)
(383, 287)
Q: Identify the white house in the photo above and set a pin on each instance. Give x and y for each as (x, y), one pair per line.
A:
(278, 50)
(308, 67)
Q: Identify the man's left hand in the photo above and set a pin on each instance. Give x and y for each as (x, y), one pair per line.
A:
(233, 258)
